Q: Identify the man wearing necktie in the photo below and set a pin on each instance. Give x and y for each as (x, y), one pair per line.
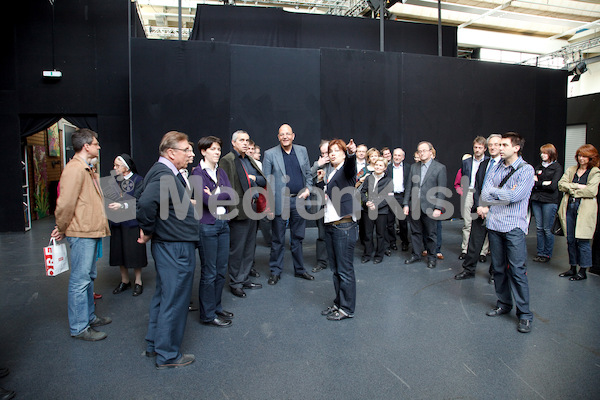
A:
(423, 199)
(243, 173)
(478, 229)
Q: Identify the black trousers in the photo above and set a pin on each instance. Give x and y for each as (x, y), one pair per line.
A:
(380, 225)
(424, 230)
(402, 223)
(242, 245)
(476, 239)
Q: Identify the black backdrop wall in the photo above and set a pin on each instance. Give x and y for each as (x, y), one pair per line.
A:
(340, 93)
(215, 88)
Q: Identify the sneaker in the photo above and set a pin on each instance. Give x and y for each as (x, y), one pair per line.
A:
(99, 321)
(338, 315)
(329, 310)
(91, 335)
(524, 326)
(184, 361)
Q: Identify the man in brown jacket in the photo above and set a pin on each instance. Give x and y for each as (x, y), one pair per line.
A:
(81, 218)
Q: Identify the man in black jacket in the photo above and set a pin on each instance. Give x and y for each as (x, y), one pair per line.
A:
(478, 230)
(173, 228)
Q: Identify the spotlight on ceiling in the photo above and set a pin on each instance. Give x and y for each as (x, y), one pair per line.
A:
(578, 70)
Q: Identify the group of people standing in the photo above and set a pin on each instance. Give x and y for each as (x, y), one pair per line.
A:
(219, 207)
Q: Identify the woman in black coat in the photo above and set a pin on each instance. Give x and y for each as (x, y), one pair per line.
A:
(544, 200)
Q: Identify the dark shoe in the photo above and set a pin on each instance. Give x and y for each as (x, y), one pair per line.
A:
(544, 259)
(491, 279)
(338, 315)
(496, 311)
(150, 354)
(6, 394)
(254, 273)
(388, 252)
(319, 268)
(377, 260)
(329, 310)
(239, 292)
(393, 246)
(431, 264)
(578, 277)
(97, 296)
(4, 372)
(122, 287)
(305, 275)
(184, 361)
(570, 272)
(192, 308)
(218, 322)
(414, 258)
(91, 335)
(273, 279)
(404, 246)
(99, 321)
(365, 259)
(524, 326)
(252, 285)
(138, 289)
(462, 256)
(482, 259)
(225, 314)
(464, 275)
(537, 259)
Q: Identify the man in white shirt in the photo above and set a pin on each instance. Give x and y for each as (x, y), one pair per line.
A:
(398, 170)
(469, 171)
(361, 154)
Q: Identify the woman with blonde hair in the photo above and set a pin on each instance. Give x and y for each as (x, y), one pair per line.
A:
(578, 209)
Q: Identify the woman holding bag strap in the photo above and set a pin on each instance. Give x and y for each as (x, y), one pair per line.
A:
(578, 209)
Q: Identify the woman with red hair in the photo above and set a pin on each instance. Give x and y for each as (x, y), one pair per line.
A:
(578, 209)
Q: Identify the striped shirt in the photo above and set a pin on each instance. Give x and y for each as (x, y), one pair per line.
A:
(508, 205)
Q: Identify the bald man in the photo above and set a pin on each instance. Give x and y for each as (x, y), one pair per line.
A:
(288, 169)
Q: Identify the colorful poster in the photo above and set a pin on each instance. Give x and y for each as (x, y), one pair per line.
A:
(53, 141)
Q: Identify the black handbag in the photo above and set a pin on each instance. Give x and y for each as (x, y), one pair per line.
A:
(556, 226)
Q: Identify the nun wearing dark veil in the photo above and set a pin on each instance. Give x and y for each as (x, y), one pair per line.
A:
(125, 251)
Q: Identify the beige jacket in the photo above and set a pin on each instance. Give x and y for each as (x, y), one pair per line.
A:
(80, 205)
(585, 226)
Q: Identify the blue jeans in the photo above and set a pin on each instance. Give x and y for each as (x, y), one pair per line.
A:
(580, 250)
(544, 218)
(340, 240)
(297, 228)
(214, 257)
(84, 252)
(509, 254)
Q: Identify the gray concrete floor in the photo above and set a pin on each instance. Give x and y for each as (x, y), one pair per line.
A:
(417, 334)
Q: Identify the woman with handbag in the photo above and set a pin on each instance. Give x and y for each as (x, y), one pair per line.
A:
(579, 209)
(213, 244)
(544, 200)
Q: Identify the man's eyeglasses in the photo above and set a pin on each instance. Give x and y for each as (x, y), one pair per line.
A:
(187, 151)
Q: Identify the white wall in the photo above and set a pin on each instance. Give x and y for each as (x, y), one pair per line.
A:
(588, 83)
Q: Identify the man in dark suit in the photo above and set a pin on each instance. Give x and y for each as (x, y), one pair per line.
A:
(243, 173)
(478, 229)
(322, 164)
(173, 249)
(288, 169)
(398, 171)
(424, 200)
(468, 170)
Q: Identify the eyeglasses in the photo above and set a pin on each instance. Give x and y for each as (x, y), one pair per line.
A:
(423, 151)
(186, 151)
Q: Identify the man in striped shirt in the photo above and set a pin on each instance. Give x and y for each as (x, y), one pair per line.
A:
(507, 189)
